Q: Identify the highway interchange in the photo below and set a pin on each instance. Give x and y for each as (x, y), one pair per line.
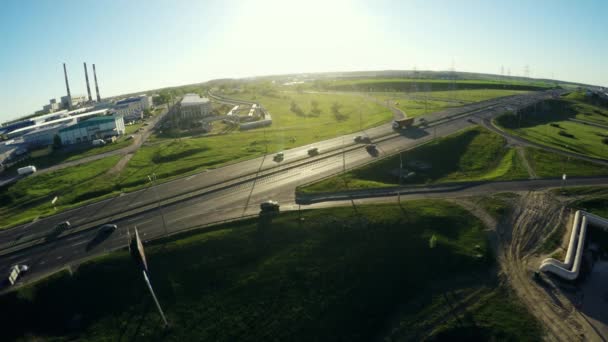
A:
(235, 191)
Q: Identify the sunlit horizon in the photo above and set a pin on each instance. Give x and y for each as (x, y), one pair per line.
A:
(138, 47)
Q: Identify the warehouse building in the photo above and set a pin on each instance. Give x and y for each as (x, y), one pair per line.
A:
(133, 108)
(193, 106)
(100, 127)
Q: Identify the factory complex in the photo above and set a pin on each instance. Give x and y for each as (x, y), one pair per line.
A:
(74, 119)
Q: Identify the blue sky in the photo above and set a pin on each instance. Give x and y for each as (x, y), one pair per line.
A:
(138, 45)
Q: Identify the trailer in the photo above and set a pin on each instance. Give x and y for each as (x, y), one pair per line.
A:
(403, 123)
(26, 170)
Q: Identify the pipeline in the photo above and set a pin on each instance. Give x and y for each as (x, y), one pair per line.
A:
(570, 268)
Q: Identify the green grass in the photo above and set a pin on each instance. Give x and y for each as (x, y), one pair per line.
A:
(48, 157)
(552, 165)
(339, 275)
(470, 155)
(497, 205)
(31, 197)
(400, 84)
(420, 103)
(543, 124)
(130, 129)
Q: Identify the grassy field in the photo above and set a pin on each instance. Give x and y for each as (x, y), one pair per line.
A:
(400, 84)
(31, 197)
(341, 275)
(498, 204)
(420, 103)
(47, 157)
(552, 165)
(550, 124)
(472, 154)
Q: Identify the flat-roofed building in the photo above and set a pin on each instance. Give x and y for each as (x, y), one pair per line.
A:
(193, 106)
(100, 127)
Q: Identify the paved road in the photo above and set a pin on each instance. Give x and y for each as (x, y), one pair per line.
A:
(226, 193)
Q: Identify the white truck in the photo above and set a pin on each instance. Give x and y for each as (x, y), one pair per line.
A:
(26, 170)
(98, 142)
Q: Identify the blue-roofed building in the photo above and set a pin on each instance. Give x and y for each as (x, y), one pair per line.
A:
(132, 109)
(100, 127)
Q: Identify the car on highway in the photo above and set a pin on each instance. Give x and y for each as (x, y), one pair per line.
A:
(108, 228)
(362, 139)
(372, 149)
(269, 206)
(313, 151)
(15, 273)
(63, 226)
(279, 157)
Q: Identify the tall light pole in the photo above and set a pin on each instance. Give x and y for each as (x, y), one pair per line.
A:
(152, 179)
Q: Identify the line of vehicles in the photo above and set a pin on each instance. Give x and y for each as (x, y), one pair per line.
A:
(16, 271)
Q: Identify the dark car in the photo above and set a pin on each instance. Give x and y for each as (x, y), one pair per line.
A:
(371, 149)
(313, 151)
(362, 139)
(63, 226)
(269, 206)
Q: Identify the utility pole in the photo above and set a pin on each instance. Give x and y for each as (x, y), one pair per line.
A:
(152, 179)
(400, 178)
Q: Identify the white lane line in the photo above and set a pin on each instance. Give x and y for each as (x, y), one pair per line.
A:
(59, 257)
(21, 261)
(146, 221)
(189, 178)
(134, 203)
(79, 243)
(42, 262)
(73, 238)
(134, 219)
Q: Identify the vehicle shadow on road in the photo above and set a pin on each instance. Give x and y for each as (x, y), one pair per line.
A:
(414, 133)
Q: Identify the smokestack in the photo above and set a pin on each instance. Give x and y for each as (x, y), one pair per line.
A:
(96, 86)
(67, 85)
(86, 76)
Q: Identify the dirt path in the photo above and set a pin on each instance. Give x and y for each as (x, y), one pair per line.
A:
(116, 169)
(531, 221)
(522, 155)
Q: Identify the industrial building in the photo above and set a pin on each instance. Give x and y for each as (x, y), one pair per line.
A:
(100, 127)
(133, 108)
(193, 106)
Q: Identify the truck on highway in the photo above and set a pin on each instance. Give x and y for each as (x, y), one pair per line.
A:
(26, 170)
(403, 123)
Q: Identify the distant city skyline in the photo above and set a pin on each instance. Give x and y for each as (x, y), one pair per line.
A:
(138, 46)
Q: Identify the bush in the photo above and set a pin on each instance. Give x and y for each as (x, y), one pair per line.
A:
(605, 141)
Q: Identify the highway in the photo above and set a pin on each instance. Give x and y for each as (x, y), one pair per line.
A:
(229, 192)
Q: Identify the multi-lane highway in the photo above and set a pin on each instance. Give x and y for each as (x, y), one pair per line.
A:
(225, 193)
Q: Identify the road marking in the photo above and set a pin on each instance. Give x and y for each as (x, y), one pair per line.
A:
(42, 262)
(79, 243)
(72, 238)
(189, 178)
(21, 261)
(134, 203)
(146, 221)
(134, 219)
(59, 257)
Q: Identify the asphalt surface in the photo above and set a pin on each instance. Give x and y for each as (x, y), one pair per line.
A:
(232, 192)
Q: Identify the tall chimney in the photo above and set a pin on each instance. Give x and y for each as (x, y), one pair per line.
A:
(86, 76)
(67, 85)
(96, 86)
